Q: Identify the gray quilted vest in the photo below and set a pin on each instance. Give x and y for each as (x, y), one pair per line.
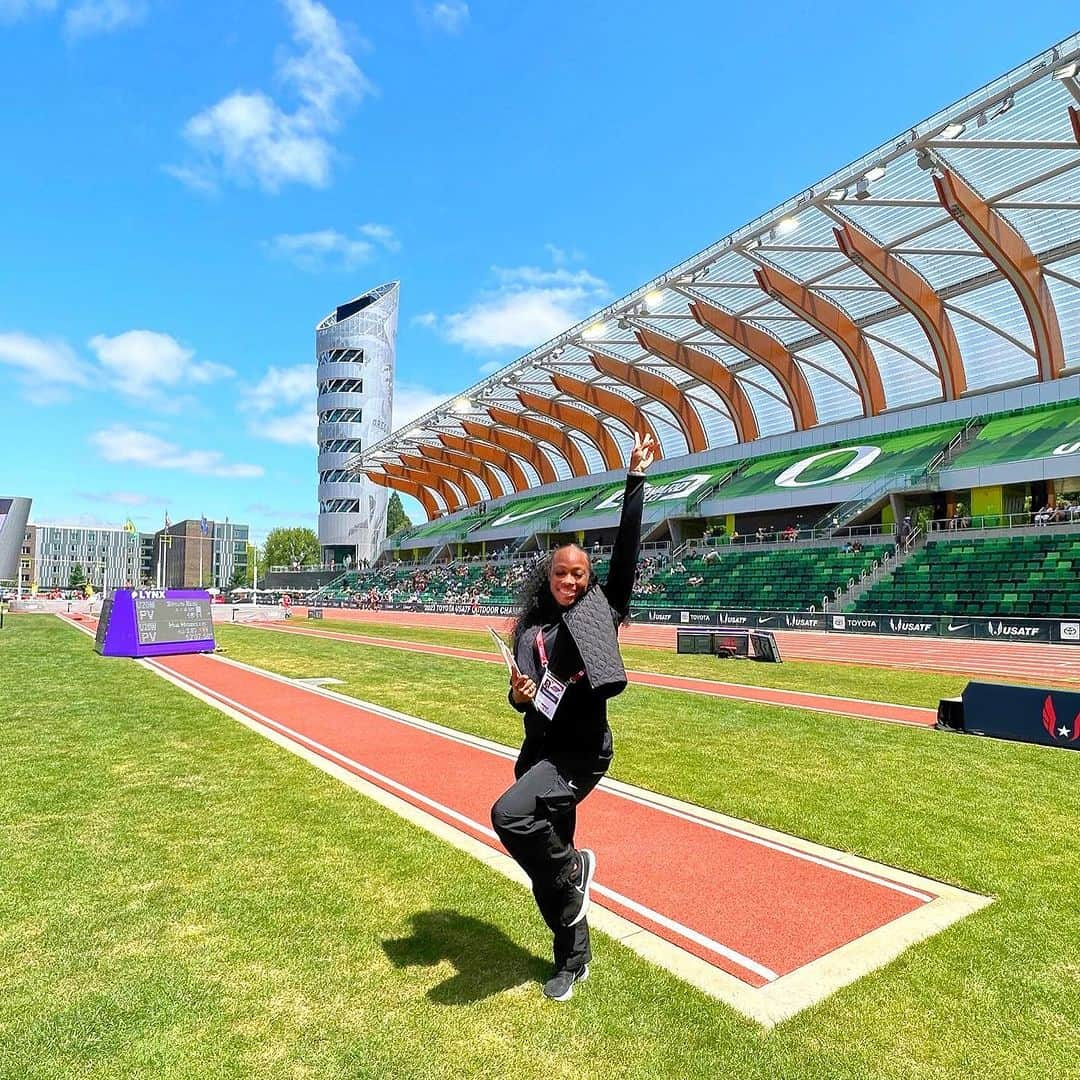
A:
(591, 622)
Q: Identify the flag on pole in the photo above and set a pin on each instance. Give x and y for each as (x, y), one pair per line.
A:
(129, 527)
(168, 523)
(204, 525)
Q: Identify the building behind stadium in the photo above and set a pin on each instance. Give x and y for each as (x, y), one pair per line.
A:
(354, 351)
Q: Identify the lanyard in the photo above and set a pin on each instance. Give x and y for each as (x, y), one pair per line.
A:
(542, 650)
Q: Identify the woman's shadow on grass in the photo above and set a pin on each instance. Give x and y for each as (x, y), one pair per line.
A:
(487, 961)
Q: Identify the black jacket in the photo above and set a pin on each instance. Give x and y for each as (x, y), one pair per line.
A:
(584, 638)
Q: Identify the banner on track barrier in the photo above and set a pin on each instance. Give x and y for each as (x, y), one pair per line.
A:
(1005, 628)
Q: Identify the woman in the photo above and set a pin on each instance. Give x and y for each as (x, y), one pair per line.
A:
(568, 665)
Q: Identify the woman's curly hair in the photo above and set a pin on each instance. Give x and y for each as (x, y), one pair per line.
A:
(536, 605)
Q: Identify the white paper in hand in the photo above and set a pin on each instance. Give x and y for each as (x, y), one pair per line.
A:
(507, 655)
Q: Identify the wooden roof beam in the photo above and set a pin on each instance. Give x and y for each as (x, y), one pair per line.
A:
(658, 389)
(765, 350)
(608, 403)
(482, 450)
(834, 323)
(580, 420)
(406, 487)
(915, 293)
(1010, 253)
(711, 372)
(467, 463)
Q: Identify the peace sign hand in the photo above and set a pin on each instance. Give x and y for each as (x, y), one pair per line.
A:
(643, 454)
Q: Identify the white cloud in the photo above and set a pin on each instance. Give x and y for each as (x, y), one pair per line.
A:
(122, 498)
(382, 234)
(449, 16)
(285, 388)
(46, 371)
(143, 363)
(425, 318)
(294, 429)
(330, 249)
(13, 10)
(560, 256)
(412, 400)
(126, 446)
(90, 17)
(247, 137)
(528, 306)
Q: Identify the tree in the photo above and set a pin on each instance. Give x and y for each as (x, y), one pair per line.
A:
(396, 518)
(249, 574)
(78, 577)
(291, 547)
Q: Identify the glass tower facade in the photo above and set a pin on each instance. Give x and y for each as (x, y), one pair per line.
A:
(354, 351)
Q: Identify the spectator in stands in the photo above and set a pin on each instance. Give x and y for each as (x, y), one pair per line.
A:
(712, 556)
(904, 532)
(848, 547)
(1043, 516)
(759, 536)
(856, 547)
(695, 579)
(567, 616)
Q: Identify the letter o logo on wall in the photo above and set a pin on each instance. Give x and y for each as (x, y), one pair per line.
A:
(864, 455)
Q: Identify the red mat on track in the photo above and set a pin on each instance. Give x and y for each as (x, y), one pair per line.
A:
(752, 907)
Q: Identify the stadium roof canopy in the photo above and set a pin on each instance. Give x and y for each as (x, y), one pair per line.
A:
(944, 263)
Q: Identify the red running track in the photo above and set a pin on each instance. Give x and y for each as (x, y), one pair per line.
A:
(1040, 663)
(750, 906)
(792, 699)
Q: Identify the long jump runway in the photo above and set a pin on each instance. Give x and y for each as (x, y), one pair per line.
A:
(766, 922)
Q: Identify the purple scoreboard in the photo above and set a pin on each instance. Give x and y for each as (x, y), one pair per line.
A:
(155, 622)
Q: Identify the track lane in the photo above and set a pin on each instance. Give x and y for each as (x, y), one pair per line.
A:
(854, 707)
(1007, 659)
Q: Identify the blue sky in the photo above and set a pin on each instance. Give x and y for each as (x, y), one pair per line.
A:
(187, 188)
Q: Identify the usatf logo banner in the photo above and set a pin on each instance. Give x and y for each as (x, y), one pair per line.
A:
(1023, 713)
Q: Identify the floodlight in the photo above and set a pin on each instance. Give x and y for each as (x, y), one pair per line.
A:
(862, 188)
(837, 194)
(1006, 105)
(787, 225)
(415, 432)
(1067, 71)
(594, 331)
(876, 173)
(950, 131)
(924, 159)
(653, 299)
(463, 405)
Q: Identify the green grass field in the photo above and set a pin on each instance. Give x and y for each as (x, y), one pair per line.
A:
(181, 898)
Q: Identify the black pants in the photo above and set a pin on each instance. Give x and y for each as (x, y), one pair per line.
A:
(535, 820)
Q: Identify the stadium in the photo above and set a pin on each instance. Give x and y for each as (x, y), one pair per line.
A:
(890, 356)
(263, 846)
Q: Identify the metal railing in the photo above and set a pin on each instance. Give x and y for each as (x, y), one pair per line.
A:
(1068, 515)
(310, 568)
(879, 568)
